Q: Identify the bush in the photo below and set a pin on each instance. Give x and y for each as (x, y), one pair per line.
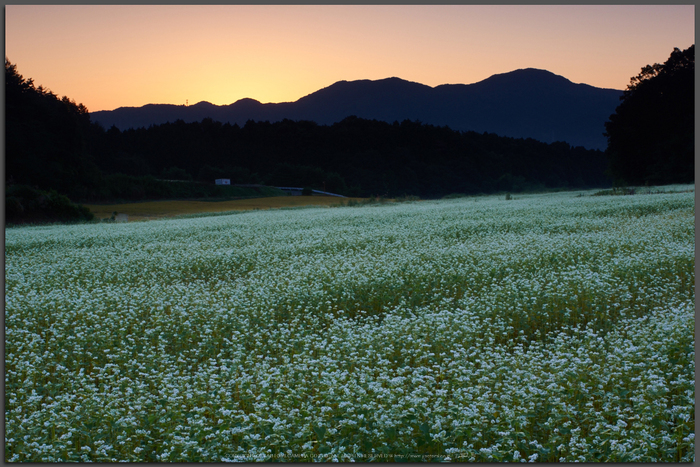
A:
(307, 191)
(25, 204)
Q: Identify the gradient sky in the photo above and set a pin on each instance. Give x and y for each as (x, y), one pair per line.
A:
(129, 55)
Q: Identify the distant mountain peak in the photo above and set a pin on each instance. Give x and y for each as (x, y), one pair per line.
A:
(533, 71)
(247, 100)
(528, 74)
(394, 79)
(523, 103)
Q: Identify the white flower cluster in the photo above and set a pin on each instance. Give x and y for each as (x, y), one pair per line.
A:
(546, 328)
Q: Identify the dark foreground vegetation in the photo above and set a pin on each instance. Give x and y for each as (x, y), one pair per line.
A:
(24, 204)
(52, 145)
(651, 135)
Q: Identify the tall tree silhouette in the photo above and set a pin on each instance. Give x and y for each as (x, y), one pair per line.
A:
(46, 138)
(651, 135)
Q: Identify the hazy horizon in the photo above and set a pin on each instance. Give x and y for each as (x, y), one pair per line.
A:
(111, 56)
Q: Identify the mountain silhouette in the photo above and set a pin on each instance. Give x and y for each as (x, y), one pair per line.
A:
(525, 103)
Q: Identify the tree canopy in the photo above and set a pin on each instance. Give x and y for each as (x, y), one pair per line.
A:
(45, 137)
(355, 157)
(651, 135)
(51, 144)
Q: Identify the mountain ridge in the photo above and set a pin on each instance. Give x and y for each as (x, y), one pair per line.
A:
(524, 103)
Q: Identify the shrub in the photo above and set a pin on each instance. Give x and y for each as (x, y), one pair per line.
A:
(25, 204)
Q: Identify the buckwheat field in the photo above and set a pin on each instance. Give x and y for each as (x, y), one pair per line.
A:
(545, 328)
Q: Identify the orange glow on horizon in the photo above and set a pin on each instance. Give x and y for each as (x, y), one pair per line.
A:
(109, 56)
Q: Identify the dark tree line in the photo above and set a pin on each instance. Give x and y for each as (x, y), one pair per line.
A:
(651, 135)
(51, 144)
(46, 153)
(354, 157)
(46, 136)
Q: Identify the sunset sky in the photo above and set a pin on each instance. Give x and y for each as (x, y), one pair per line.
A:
(125, 55)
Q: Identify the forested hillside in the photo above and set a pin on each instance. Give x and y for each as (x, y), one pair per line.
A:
(52, 144)
(46, 138)
(355, 156)
(525, 103)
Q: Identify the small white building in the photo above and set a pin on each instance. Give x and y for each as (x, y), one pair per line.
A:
(223, 181)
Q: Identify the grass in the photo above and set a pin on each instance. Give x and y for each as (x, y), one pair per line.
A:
(548, 328)
(160, 209)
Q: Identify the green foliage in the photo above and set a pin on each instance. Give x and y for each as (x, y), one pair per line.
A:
(24, 204)
(307, 191)
(651, 135)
